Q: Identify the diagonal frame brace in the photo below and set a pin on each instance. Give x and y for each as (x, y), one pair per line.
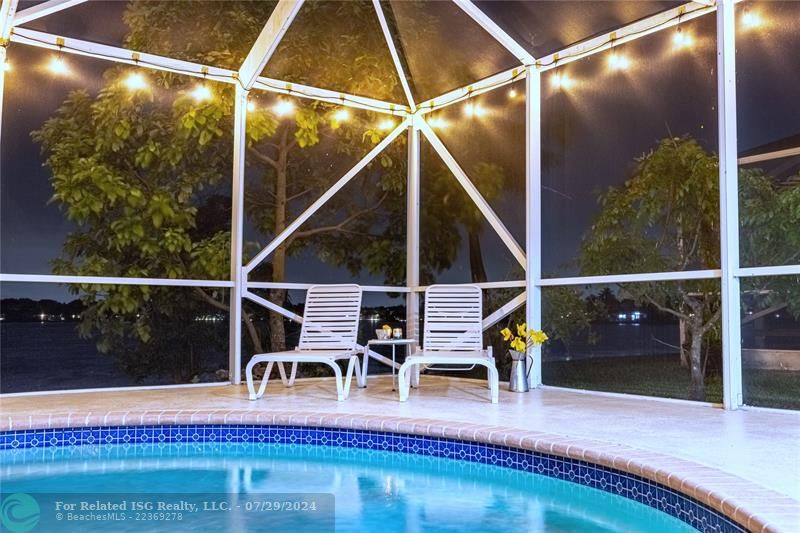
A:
(268, 40)
(511, 306)
(263, 302)
(496, 31)
(474, 194)
(336, 187)
(395, 57)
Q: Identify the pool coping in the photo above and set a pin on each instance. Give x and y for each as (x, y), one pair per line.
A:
(756, 508)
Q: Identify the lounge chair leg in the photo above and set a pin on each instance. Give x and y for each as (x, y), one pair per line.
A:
(352, 366)
(363, 382)
(360, 378)
(338, 373)
(494, 383)
(251, 391)
(402, 380)
(293, 375)
(282, 372)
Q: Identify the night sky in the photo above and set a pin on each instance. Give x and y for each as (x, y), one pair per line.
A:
(591, 132)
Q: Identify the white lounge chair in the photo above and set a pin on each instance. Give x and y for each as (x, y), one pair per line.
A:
(328, 334)
(453, 334)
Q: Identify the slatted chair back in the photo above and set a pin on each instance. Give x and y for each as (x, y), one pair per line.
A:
(453, 318)
(330, 318)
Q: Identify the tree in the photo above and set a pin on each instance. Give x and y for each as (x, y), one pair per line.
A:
(666, 218)
(136, 170)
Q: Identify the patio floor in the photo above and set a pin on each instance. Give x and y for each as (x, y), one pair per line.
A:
(723, 450)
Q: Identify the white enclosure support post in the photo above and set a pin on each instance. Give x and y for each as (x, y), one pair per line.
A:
(533, 214)
(729, 206)
(395, 56)
(237, 223)
(7, 10)
(412, 233)
(2, 82)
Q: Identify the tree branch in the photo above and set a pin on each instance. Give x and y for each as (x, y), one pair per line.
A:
(208, 299)
(666, 309)
(298, 195)
(337, 227)
(264, 158)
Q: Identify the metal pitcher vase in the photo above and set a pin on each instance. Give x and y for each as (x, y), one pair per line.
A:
(518, 381)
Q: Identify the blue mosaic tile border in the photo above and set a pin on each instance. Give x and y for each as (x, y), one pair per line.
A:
(637, 488)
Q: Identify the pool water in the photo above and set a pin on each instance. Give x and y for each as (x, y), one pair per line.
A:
(373, 490)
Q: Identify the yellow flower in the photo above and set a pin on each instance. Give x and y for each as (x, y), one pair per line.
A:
(522, 330)
(506, 333)
(538, 337)
(518, 344)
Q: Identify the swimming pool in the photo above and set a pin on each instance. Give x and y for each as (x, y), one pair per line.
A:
(440, 485)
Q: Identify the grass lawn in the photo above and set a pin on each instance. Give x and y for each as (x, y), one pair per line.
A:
(663, 376)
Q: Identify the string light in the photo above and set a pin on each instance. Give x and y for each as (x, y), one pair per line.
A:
(561, 81)
(475, 110)
(618, 62)
(6, 66)
(512, 93)
(201, 93)
(135, 82)
(751, 20)
(386, 124)
(438, 123)
(251, 106)
(682, 40)
(283, 108)
(341, 115)
(58, 66)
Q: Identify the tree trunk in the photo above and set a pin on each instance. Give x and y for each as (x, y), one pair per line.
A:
(682, 328)
(697, 390)
(277, 329)
(476, 266)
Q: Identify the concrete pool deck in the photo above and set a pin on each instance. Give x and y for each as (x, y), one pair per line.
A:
(743, 463)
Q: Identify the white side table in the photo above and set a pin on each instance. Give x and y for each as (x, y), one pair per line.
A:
(408, 343)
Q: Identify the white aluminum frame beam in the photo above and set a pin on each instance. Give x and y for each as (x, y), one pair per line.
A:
(729, 206)
(646, 26)
(306, 286)
(514, 284)
(769, 156)
(630, 278)
(751, 272)
(413, 232)
(237, 234)
(268, 41)
(319, 202)
(8, 9)
(42, 10)
(110, 280)
(472, 191)
(499, 34)
(398, 65)
(197, 70)
(533, 215)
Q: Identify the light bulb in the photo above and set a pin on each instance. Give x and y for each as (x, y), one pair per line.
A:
(283, 108)
(341, 115)
(512, 93)
(751, 20)
(386, 124)
(201, 93)
(6, 66)
(135, 82)
(561, 81)
(618, 62)
(58, 66)
(480, 111)
(469, 110)
(251, 106)
(682, 40)
(438, 123)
